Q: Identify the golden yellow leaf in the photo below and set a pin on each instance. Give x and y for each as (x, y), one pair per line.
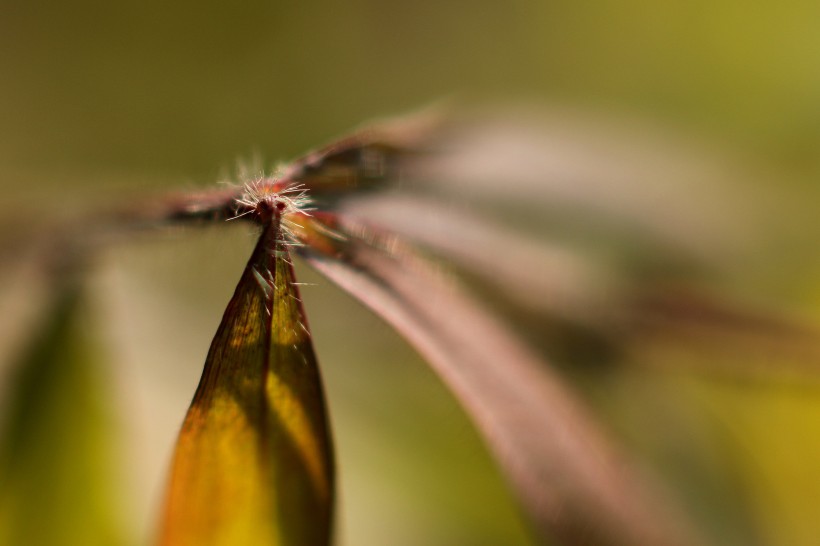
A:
(254, 463)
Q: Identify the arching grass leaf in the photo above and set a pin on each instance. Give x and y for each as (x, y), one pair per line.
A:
(570, 479)
(553, 282)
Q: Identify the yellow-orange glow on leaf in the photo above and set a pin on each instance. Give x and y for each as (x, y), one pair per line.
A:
(254, 464)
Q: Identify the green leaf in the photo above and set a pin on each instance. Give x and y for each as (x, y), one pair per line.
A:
(55, 479)
(253, 463)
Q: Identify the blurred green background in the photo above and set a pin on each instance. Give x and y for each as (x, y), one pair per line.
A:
(171, 88)
(107, 100)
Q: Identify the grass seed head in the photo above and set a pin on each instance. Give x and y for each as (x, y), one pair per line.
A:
(267, 198)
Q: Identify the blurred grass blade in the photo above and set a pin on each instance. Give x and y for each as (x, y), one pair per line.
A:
(538, 276)
(253, 463)
(568, 476)
(55, 457)
(728, 337)
(538, 162)
(369, 159)
(554, 282)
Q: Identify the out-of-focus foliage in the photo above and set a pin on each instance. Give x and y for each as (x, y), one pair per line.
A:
(56, 464)
(108, 100)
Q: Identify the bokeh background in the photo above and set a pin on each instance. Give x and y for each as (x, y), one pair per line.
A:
(109, 101)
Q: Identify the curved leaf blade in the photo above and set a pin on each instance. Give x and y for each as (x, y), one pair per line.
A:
(571, 480)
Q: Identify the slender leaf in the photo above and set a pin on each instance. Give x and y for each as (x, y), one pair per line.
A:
(371, 158)
(556, 282)
(629, 183)
(568, 476)
(536, 275)
(253, 463)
